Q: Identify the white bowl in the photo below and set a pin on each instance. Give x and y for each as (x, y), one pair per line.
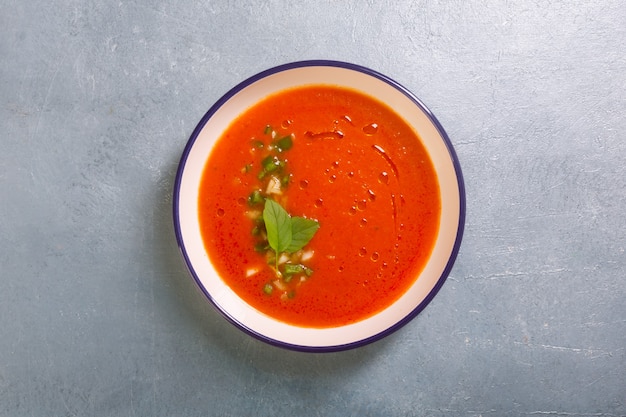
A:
(255, 89)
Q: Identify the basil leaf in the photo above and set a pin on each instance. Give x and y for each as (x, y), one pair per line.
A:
(277, 225)
(302, 231)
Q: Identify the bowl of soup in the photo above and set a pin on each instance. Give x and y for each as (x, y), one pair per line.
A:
(319, 206)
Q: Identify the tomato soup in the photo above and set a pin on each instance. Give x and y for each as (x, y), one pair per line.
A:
(343, 160)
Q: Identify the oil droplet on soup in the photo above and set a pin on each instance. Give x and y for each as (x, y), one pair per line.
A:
(370, 129)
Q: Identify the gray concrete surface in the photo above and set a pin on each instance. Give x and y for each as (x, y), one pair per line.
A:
(98, 315)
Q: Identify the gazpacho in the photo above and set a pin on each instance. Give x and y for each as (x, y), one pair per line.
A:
(319, 206)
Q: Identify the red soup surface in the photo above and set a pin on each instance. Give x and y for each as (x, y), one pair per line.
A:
(341, 158)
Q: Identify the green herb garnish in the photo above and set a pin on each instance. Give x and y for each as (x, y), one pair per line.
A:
(271, 164)
(302, 230)
(255, 197)
(257, 144)
(284, 144)
(278, 225)
(284, 232)
(278, 236)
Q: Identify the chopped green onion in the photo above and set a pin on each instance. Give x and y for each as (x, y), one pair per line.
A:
(255, 198)
(267, 130)
(292, 269)
(261, 247)
(271, 163)
(259, 227)
(268, 288)
(257, 144)
(284, 144)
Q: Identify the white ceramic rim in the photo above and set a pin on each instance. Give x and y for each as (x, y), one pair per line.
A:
(245, 95)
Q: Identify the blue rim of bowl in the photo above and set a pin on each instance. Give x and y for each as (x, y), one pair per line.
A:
(459, 176)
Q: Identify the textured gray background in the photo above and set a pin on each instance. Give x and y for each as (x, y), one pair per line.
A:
(98, 315)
